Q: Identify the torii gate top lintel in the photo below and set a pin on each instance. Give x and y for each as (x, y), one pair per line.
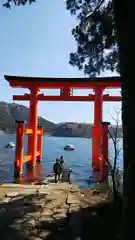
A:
(55, 83)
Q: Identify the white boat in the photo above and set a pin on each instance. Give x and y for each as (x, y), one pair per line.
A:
(69, 147)
(10, 145)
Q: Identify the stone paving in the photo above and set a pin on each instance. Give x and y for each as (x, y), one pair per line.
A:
(46, 211)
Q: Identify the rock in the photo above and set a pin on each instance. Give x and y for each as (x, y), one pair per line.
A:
(6, 200)
(34, 201)
(48, 206)
(28, 191)
(65, 208)
(84, 205)
(12, 194)
(16, 198)
(2, 199)
(2, 210)
(46, 212)
(16, 226)
(63, 187)
(94, 213)
(44, 234)
(61, 210)
(34, 232)
(45, 182)
(74, 208)
(27, 202)
(51, 197)
(59, 215)
(31, 223)
(96, 192)
(56, 200)
(47, 219)
(43, 191)
(34, 238)
(94, 202)
(95, 199)
(49, 178)
(87, 193)
(40, 202)
(74, 190)
(34, 214)
(72, 198)
(26, 233)
(19, 221)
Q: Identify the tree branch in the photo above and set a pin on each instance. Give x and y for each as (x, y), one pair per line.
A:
(114, 174)
(96, 8)
(89, 15)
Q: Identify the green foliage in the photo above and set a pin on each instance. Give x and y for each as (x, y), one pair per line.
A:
(95, 35)
(8, 3)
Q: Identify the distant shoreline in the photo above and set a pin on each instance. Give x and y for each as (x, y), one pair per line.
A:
(10, 112)
(60, 136)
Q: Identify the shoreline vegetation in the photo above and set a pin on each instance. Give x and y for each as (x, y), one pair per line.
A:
(10, 112)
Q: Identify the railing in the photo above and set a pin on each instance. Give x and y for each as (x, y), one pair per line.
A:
(20, 159)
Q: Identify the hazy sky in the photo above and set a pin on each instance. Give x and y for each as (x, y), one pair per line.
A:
(36, 41)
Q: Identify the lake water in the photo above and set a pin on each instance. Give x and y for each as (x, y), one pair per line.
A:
(79, 160)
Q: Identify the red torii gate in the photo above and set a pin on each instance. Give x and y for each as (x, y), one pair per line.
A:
(66, 86)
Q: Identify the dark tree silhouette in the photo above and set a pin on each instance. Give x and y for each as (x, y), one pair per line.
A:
(97, 50)
(124, 16)
(95, 34)
(9, 3)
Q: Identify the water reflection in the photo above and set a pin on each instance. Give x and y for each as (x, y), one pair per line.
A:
(32, 175)
(36, 175)
(100, 176)
(80, 161)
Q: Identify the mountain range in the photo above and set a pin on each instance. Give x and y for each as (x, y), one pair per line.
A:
(10, 112)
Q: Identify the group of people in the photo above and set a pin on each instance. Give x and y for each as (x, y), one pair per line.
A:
(60, 170)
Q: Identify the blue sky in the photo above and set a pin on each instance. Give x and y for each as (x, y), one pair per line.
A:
(36, 41)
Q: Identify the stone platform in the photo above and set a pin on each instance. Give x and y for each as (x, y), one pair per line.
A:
(45, 211)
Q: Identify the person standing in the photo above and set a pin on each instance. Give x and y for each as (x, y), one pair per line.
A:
(57, 169)
(65, 170)
(62, 162)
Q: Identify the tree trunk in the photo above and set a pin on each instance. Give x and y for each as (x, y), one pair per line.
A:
(124, 15)
(114, 185)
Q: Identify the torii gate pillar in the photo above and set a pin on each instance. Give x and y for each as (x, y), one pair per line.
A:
(33, 122)
(96, 131)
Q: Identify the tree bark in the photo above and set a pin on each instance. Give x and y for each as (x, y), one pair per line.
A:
(124, 16)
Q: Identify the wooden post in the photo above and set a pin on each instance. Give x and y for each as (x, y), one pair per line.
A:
(98, 106)
(40, 143)
(96, 131)
(96, 143)
(104, 142)
(19, 154)
(33, 120)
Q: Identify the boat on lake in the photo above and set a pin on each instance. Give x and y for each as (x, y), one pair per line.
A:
(10, 145)
(69, 147)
